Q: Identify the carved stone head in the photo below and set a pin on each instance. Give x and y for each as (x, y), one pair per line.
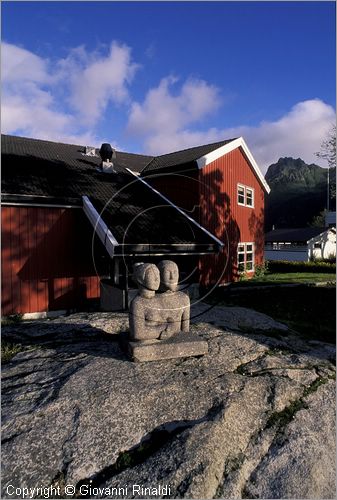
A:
(147, 276)
(169, 275)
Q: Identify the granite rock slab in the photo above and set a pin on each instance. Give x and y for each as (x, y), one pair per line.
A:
(254, 418)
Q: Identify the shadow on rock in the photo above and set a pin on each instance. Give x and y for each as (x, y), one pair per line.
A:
(65, 339)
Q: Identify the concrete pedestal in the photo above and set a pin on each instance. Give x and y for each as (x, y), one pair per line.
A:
(182, 345)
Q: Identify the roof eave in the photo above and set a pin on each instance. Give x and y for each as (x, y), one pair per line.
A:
(166, 249)
(39, 200)
(101, 229)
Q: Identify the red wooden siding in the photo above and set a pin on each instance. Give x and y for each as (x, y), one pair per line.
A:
(182, 189)
(210, 197)
(223, 217)
(46, 260)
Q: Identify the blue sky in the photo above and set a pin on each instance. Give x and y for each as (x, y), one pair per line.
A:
(155, 77)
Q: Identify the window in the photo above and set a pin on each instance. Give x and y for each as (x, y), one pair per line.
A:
(317, 245)
(245, 257)
(249, 197)
(249, 257)
(241, 195)
(245, 196)
(241, 258)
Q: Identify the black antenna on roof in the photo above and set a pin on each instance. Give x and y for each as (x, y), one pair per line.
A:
(107, 153)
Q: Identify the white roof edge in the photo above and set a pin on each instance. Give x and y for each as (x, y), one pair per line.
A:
(102, 230)
(219, 242)
(227, 148)
(326, 230)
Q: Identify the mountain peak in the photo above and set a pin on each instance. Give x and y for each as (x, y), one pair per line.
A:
(293, 170)
(298, 192)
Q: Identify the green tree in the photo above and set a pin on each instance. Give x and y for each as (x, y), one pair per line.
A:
(319, 220)
(328, 153)
(328, 148)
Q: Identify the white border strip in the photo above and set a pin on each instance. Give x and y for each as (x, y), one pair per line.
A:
(177, 208)
(227, 148)
(40, 205)
(327, 230)
(102, 230)
(44, 314)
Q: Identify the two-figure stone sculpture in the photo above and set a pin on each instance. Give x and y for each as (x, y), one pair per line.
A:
(159, 316)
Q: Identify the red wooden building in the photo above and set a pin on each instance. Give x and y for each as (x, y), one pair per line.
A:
(222, 187)
(66, 224)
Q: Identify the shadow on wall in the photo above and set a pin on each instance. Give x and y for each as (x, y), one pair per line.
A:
(47, 260)
(256, 228)
(216, 216)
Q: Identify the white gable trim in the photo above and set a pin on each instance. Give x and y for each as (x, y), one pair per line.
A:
(102, 230)
(327, 231)
(227, 148)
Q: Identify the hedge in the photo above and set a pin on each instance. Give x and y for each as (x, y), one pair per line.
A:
(285, 266)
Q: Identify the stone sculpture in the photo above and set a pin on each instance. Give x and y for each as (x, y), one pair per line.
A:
(174, 304)
(144, 316)
(159, 322)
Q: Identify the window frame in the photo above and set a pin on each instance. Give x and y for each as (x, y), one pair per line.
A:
(245, 261)
(245, 188)
(246, 197)
(241, 252)
(244, 194)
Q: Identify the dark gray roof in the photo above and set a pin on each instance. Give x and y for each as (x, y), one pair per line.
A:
(186, 157)
(292, 235)
(43, 168)
(72, 154)
(44, 172)
(62, 171)
(142, 222)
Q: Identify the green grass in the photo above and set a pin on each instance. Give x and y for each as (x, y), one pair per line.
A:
(298, 277)
(285, 278)
(11, 320)
(281, 419)
(9, 350)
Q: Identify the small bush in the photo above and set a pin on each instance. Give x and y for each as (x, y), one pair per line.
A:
(284, 266)
(9, 350)
(261, 270)
(11, 320)
(243, 276)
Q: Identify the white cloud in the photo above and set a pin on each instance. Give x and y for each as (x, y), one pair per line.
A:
(170, 122)
(62, 100)
(20, 64)
(299, 133)
(31, 117)
(163, 112)
(95, 82)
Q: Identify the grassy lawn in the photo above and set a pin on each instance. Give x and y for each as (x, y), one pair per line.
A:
(283, 278)
(310, 311)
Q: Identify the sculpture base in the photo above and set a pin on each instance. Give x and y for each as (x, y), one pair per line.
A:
(182, 345)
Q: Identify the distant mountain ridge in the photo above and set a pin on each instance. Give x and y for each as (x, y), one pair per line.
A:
(297, 172)
(298, 193)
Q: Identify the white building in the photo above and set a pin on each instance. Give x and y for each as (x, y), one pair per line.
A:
(300, 244)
